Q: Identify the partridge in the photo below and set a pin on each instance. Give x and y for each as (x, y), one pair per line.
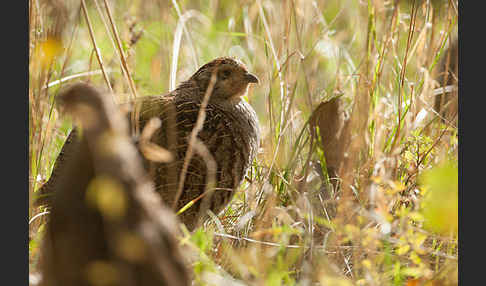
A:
(225, 147)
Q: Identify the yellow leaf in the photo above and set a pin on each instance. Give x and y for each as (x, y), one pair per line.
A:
(366, 263)
(403, 249)
(415, 258)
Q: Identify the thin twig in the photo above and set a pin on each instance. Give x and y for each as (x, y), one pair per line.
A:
(131, 84)
(211, 167)
(269, 243)
(73, 76)
(37, 216)
(93, 40)
(302, 59)
(186, 32)
(277, 63)
(120, 51)
(402, 76)
(176, 44)
(198, 126)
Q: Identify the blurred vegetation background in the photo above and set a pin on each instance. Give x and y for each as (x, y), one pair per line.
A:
(390, 218)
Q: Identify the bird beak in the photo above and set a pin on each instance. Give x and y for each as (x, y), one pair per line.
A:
(251, 78)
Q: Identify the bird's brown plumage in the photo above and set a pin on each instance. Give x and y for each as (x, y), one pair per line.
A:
(230, 133)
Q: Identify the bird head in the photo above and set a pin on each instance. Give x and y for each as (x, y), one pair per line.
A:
(232, 79)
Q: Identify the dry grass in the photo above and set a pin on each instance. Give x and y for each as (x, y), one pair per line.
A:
(391, 216)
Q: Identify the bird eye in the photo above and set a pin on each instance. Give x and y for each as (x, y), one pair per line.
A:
(225, 74)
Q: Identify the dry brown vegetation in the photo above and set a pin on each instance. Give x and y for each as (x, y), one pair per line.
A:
(356, 182)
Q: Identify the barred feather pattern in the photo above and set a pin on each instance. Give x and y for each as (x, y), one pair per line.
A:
(230, 132)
